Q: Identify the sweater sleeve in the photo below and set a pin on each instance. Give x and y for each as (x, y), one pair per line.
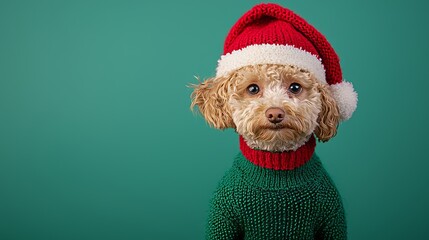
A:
(221, 222)
(333, 225)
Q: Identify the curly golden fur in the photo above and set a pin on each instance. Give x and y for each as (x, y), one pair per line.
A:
(211, 97)
(225, 102)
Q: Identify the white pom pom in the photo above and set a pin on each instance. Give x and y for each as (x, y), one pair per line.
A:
(346, 98)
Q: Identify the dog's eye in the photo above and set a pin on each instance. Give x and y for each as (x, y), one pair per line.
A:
(253, 89)
(295, 88)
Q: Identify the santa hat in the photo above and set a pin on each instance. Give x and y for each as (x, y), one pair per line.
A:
(271, 34)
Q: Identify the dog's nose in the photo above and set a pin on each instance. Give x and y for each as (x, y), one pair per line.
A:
(275, 115)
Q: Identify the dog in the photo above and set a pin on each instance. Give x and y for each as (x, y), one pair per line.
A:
(279, 85)
(275, 108)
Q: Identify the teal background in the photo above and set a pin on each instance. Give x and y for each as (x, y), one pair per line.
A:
(97, 140)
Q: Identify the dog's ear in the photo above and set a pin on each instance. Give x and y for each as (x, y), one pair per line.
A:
(329, 116)
(211, 97)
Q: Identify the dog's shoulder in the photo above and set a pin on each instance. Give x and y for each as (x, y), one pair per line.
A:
(326, 187)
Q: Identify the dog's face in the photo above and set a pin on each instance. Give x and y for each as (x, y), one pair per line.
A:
(274, 107)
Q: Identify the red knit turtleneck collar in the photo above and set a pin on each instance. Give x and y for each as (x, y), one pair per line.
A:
(287, 160)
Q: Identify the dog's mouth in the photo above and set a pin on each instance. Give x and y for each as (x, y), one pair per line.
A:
(274, 127)
(277, 127)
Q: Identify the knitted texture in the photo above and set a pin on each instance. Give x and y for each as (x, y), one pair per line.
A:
(287, 160)
(255, 203)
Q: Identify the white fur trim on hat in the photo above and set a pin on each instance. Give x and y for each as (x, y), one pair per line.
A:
(271, 54)
(346, 98)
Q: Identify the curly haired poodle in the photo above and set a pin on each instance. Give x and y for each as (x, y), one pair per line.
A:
(279, 84)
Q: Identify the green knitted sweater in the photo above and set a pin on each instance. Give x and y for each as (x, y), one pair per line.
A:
(258, 203)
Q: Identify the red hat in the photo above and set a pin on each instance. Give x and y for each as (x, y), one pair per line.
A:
(271, 34)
